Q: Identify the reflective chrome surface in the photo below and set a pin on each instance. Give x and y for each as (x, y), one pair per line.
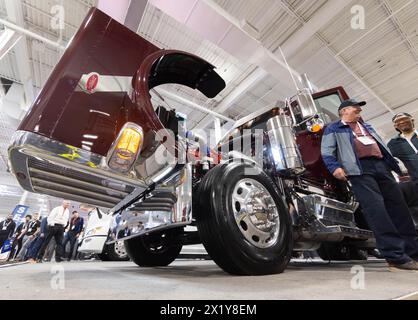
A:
(327, 220)
(306, 103)
(255, 213)
(283, 145)
(330, 211)
(166, 206)
(120, 249)
(183, 208)
(46, 166)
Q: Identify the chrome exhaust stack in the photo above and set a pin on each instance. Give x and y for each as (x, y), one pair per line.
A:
(284, 149)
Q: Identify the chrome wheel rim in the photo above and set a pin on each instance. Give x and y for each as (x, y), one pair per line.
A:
(120, 249)
(255, 213)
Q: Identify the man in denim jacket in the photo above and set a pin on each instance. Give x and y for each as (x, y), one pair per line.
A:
(354, 152)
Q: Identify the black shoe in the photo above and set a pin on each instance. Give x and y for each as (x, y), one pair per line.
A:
(58, 260)
(408, 266)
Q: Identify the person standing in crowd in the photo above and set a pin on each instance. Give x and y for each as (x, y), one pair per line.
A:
(57, 221)
(29, 235)
(353, 151)
(35, 246)
(73, 232)
(7, 228)
(405, 145)
(18, 238)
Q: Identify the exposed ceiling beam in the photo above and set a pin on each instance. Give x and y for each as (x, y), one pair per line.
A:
(15, 14)
(359, 79)
(321, 18)
(135, 13)
(118, 10)
(31, 34)
(8, 40)
(384, 119)
(255, 77)
(347, 67)
(191, 104)
(233, 38)
(375, 27)
(213, 23)
(127, 12)
(412, 47)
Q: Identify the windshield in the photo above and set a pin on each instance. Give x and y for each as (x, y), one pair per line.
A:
(328, 106)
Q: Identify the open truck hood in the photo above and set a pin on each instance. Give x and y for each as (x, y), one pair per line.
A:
(91, 92)
(101, 82)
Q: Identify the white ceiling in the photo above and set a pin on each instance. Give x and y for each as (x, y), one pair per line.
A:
(378, 64)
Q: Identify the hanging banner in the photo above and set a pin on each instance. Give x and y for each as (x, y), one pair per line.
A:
(19, 214)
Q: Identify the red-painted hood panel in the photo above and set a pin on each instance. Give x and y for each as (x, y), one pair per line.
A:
(102, 81)
(82, 101)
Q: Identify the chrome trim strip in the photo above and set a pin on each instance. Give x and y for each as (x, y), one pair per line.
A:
(40, 183)
(64, 179)
(78, 198)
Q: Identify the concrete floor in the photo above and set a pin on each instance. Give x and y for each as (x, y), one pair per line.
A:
(192, 279)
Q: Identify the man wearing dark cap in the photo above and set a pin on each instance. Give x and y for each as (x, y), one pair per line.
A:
(354, 152)
(405, 145)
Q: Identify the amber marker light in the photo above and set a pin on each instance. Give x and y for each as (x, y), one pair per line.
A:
(126, 148)
(316, 128)
(315, 125)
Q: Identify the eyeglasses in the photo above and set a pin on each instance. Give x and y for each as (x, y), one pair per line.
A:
(404, 121)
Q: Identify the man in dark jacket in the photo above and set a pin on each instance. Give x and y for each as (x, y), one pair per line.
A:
(73, 232)
(30, 234)
(18, 237)
(35, 246)
(353, 151)
(405, 145)
(7, 228)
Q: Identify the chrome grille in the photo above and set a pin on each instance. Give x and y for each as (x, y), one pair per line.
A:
(67, 183)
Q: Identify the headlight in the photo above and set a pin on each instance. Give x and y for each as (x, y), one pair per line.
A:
(126, 148)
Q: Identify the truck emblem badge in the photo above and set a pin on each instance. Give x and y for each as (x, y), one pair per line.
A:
(92, 82)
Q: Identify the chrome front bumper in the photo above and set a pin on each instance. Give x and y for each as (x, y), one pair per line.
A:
(46, 166)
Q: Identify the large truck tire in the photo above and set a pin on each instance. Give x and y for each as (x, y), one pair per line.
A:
(114, 252)
(242, 220)
(157, 249)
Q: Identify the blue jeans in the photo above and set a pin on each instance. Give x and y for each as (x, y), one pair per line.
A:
(34, 247)
(386, 211)
(70, 237)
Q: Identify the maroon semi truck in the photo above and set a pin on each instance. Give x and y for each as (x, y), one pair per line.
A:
(94, 136)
